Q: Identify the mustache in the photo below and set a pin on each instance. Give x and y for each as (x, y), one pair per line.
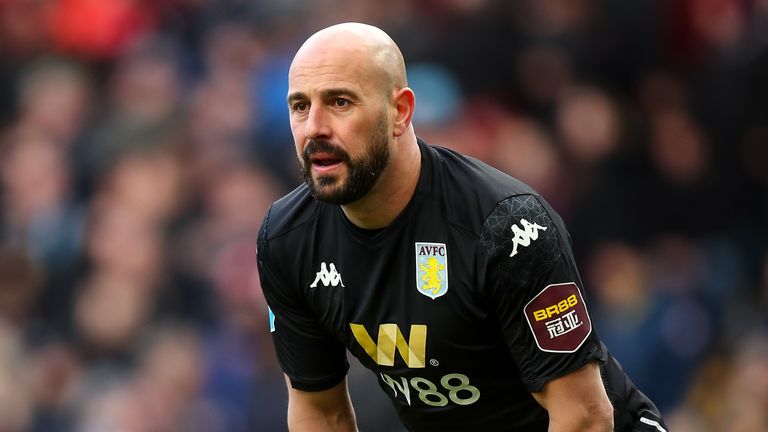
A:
(323, 146)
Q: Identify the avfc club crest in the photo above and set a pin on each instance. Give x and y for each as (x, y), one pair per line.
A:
(431, 269)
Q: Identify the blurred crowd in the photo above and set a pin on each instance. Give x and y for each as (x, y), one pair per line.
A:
(141, 142)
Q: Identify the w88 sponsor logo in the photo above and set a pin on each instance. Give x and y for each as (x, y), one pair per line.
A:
(455, 388)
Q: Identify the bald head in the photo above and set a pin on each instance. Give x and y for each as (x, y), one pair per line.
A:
(362, 47)
(350, 114)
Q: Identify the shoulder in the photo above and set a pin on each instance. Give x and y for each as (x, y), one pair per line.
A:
(523, 227)
(472, 175)
(515, 226)
(474, 191)
(290, 212)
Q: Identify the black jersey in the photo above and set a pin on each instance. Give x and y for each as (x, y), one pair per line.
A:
(468, 302)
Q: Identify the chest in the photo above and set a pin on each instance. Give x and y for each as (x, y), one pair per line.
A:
(403, 300)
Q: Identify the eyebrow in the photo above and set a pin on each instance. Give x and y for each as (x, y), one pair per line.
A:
(325, 94)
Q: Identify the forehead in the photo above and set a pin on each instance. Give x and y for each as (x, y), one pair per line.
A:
(319, 67)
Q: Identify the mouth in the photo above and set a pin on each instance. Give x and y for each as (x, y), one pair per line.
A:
(325, 162)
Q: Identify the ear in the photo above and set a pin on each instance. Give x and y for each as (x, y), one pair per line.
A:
(404, 102)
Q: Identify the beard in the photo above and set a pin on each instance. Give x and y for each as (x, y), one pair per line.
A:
(362, 172)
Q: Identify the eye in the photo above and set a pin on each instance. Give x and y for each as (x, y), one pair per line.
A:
(341, 102)
(299, 107)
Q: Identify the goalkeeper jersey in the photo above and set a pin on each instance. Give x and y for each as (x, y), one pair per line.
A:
(465, 304)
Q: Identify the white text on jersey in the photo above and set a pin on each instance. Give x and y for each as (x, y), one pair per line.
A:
(460, 393)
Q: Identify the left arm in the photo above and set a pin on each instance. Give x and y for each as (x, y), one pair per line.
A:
(537, 296)
(577, 402)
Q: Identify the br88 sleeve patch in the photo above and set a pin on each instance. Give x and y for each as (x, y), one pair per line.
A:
(558, 318)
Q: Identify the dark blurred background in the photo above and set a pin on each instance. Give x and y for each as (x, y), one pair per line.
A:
(141, 142)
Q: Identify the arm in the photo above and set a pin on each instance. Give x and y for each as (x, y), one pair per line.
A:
(308, 353)
(577, 402)
(327, 410)
(537, 297)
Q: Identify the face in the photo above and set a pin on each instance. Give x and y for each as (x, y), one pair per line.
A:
(340, 127)
(362, 172)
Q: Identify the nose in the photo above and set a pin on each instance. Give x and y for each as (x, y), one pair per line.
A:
(317, 124)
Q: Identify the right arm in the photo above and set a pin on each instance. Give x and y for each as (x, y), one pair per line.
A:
(327, 410)
(313, 360)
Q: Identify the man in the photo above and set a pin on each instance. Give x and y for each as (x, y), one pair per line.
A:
(453, 282)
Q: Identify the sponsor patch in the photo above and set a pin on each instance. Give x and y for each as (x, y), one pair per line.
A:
(431, 269)
(558, 318)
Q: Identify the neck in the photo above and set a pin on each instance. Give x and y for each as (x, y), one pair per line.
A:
(394, 189)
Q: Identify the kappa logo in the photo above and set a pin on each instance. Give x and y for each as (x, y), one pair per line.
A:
(524, 236)
(431, 269)
(328, 277)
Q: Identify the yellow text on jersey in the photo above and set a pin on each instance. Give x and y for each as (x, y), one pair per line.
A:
(556, 309)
